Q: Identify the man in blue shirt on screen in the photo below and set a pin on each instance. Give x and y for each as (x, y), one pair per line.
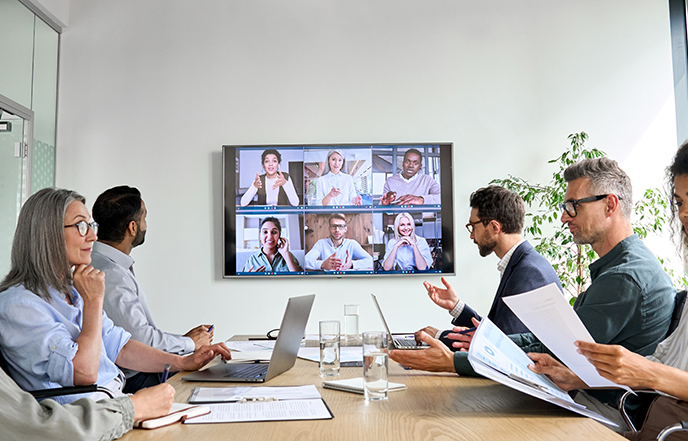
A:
(336, 253)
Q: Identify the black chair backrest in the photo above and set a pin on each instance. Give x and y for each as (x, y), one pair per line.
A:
(3, 364)
(678, 310)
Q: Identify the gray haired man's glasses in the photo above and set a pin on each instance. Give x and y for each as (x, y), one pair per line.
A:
(82, 227)
(570, 206)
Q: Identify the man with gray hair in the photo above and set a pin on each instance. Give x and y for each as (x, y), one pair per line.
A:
(630, 299)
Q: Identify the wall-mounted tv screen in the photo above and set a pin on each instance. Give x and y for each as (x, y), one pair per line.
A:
(338, 209)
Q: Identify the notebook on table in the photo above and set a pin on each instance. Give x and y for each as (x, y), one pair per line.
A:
(398, 342)
(283, 356)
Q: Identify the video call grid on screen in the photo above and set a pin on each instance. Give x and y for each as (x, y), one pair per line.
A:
(314, 196)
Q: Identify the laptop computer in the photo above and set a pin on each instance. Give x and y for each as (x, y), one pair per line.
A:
(283, 355)
(397, 341)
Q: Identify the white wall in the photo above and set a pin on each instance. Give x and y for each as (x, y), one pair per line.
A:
(151, 90)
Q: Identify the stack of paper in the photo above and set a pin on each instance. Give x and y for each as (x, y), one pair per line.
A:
(243, 404)
(355, 385)
(493, 355)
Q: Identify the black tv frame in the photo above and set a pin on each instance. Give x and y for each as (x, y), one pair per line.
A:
(230, 209)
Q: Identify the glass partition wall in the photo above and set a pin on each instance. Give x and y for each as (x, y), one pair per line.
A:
(28, 103)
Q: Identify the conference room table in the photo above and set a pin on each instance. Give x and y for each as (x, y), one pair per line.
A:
(436, 406)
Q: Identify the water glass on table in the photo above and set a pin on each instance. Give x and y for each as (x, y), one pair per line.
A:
(375, 365)
(329, 348)
(351, 325)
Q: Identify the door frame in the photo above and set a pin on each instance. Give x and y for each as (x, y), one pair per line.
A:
(27, 115)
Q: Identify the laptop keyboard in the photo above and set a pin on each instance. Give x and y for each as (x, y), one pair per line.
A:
(250, 371)
(405, 342)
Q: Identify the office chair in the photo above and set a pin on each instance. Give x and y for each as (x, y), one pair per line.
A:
(646, 397)
(67, 390)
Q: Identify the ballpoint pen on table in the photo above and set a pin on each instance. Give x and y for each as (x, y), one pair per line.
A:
(256, 399)
(165, 373)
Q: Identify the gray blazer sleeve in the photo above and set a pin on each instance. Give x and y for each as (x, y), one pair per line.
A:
(24, 418)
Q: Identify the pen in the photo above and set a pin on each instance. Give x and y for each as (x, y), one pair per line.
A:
(257, 399)
(211, 328)
(528, 382)
(466, 331)
(165, 373)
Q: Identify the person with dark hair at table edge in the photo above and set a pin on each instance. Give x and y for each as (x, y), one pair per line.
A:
(495, 225)
(121, 213)
(274, 255)
(274, 187)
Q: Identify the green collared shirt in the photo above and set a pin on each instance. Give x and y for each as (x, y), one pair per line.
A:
(629, 303)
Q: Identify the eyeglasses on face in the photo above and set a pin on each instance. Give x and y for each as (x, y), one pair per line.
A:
(571, 206)
(83, 226)
(470, 226)
(337, 227)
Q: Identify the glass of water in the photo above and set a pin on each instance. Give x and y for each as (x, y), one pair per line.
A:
(329, 348)
(375, 366)
(351, 324)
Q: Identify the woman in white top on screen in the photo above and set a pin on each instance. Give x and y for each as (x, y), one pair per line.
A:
(336, 187)
(273, 187)
(407, 251)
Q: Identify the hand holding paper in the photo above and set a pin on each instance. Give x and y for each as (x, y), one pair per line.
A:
(548, 315)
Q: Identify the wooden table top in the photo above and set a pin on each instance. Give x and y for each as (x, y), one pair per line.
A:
(434, 407)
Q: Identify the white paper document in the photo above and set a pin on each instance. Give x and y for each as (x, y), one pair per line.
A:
(287, 410)
(548, 315)
(495, 356)
(251, 345)
(230, 394)
(249, 356)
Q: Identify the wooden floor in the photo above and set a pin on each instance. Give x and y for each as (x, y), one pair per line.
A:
(434, 407)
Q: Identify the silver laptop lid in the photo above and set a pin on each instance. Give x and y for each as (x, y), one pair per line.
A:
(291, 333)
(382, 317)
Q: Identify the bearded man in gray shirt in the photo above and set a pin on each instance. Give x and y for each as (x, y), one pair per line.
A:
(121, 213)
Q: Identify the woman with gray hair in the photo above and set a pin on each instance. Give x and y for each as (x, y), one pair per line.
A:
(336, 187)
(53, 331)
(407, 251)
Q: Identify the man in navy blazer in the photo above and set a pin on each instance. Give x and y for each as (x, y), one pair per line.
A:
(495, 225)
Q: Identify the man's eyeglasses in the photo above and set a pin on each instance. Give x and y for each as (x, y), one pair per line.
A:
(83, 226)
(570, 206)
(470, 226)
(337, 227)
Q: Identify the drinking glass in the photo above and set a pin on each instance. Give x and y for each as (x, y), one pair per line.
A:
(329, 348)
(351, 324)
(375, 366)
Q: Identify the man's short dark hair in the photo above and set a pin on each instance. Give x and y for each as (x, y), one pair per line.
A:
(417, 152)
(504, 206)
(339, 216)
(115, 209)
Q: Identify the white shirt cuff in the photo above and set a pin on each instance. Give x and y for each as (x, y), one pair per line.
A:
(458, 309)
